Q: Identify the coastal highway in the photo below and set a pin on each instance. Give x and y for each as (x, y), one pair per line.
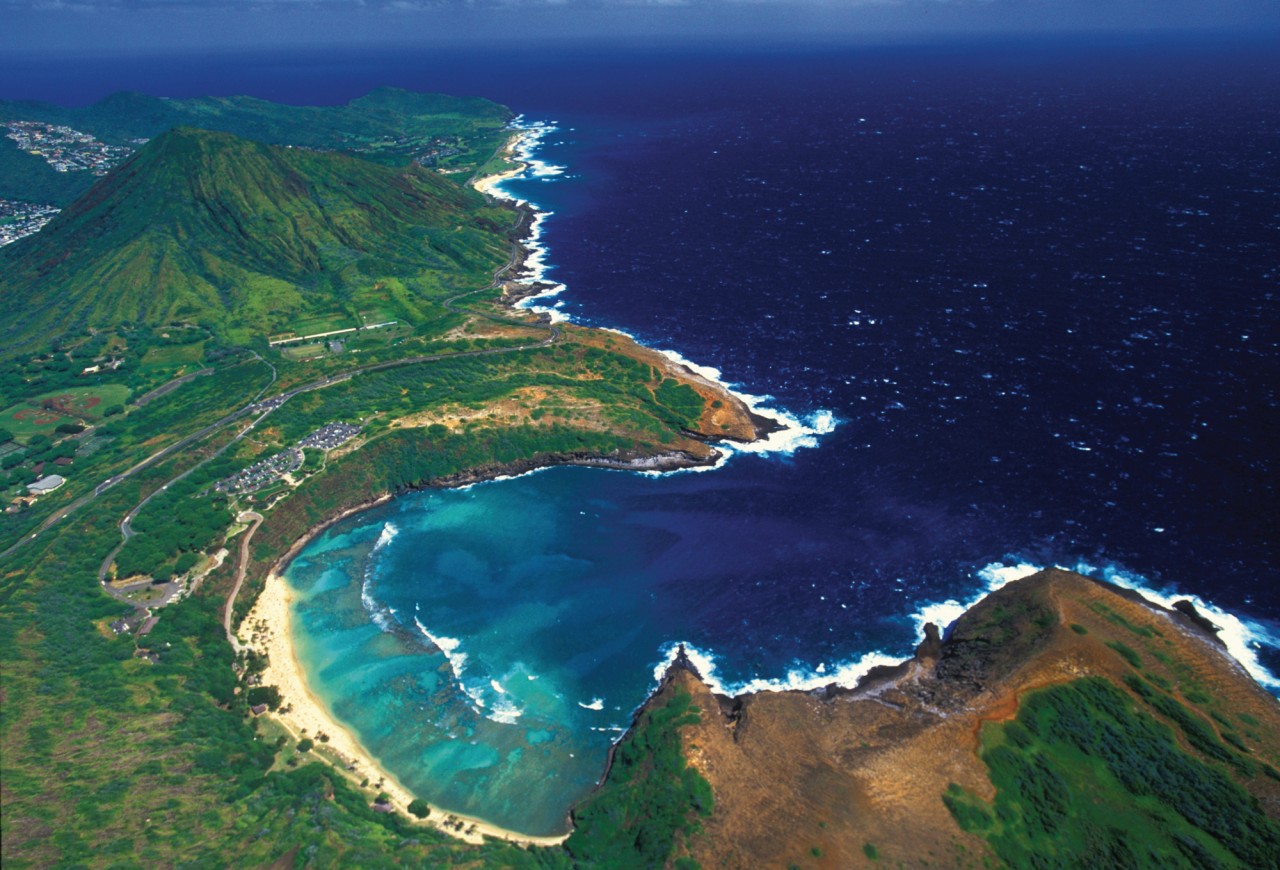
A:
(257, 404)
(151, 460)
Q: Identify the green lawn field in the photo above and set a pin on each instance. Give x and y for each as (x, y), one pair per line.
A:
(167, 356)
(42, 414)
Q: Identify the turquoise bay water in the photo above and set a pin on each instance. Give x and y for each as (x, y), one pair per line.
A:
(487, 645)
(915, 247)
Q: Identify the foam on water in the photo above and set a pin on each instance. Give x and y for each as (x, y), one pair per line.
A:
(994, 576)
(1242, 638)
(846, 674)
(505, 714)
(382, 616)
(385, 537)
(535, 267)
(792, 432)
(501, 477)
(878, 538)
(488, 698)
(448, 646)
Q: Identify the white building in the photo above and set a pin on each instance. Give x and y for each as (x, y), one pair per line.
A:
(45, 484)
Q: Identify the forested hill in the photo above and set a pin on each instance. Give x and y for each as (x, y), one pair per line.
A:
(243, 239)
(388, 125)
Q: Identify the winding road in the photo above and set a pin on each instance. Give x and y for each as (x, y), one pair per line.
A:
(553, 335)
(242, 566)
(264, 408)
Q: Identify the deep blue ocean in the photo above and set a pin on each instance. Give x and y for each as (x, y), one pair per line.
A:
(1035, 287)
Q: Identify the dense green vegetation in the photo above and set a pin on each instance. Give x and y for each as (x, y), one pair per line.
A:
(168, 278)
(157, 763)
(143, 315)
(1085, 779)
(140, 764)
(29, 178)
(122, 439)
(388, 125)
(652, 797)
(246, 239)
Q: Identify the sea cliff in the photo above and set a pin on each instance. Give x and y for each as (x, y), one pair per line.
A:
(1059, 675)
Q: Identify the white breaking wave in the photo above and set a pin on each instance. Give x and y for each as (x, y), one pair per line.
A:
(388, 534)
(476, 696)
(846, 674)
(535, 267)
(542, 169)
(448, 646)
(944, 613)
(499, 707)
(793, 433)
(382, 616)
(505, 713)
(1241, 637)
(498, 478)
(596, 704)
(503, 709)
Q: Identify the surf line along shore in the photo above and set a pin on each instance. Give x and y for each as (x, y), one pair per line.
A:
(303, 715)
(266, 631)
(267, 628)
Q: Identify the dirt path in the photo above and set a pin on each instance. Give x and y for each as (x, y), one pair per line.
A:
(165, 389)
(241, 567)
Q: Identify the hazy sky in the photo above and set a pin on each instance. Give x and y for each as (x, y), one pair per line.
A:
(111, 26)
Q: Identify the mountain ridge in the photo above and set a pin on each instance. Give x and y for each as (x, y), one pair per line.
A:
(199, 224)
(913, 764)
(388, 125)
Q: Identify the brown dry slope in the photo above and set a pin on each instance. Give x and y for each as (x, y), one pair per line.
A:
(840, 778)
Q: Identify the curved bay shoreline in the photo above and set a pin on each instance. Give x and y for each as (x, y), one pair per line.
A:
(267, 627)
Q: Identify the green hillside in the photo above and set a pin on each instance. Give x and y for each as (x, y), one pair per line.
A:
(389, 125)
(246, 239)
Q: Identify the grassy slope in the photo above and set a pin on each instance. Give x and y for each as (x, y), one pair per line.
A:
(158, 763)
(1147, 762)
(27, 177)
(652, 798)
(1085, 778)
(113, 761)
(243, 238)
(110, 759)
(388, 125)
(1027, 739)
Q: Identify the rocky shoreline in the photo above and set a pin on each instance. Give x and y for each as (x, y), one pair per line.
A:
(268, 618)
(835, 768)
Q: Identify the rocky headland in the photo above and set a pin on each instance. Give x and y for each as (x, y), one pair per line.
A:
(907, 767)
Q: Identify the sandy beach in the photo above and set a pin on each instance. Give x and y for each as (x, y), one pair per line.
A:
(266, 630)
(488, 184)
